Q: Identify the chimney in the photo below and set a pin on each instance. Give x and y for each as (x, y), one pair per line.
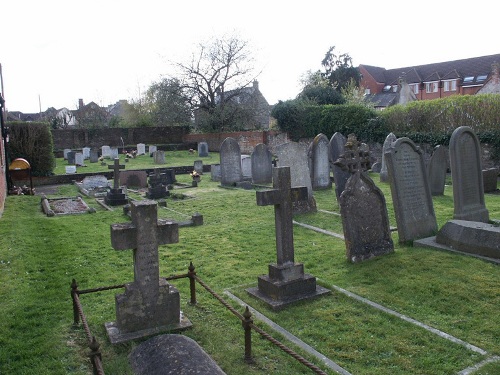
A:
(80, 103)
(256, 85)
(495, 73)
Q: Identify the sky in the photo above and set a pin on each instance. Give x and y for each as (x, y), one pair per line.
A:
(54, 52)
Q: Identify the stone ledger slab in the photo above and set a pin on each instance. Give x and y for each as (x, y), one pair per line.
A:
(172, 354)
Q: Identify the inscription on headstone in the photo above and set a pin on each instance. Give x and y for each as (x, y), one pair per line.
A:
(410, 190)
(467, 177)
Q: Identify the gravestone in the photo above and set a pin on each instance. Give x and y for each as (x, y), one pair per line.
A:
(141, 149)
(410, 190)
(159, 157)
(149, 305)
(340, 177)
(71, 157)
(157, 185)
(391, 138)
(376, 167)
(79, 159)
(113, 153)
(215, 172)
(106, 152)
(94, 155)
(490, 180)
(96, 181)
(230, 162)
(286, 282)
(293, 155)
(172, 354)
(363, 208)
(65, 153)
(86, 152)
(203, 149)
(467, 177)
(70, 169)
(246, 167)
(152, 150)
(436, 170)
(261, 164)
(320, 163)
(116, 196)
(198, 166)
(137, 179)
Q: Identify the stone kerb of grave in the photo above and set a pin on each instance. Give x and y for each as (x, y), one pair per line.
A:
(149, 305)
(286, 282)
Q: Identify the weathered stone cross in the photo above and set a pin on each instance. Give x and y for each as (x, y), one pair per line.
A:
(116, 172)
(355, 158)
(282, 197)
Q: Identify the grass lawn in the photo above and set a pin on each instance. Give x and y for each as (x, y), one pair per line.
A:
(39, 256)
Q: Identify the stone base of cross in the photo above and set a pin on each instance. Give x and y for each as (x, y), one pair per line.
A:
(286, 282)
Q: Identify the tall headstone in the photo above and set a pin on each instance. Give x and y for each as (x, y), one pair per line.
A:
(230, 162)
(262, 165)
(106, 152)
(94, 155)
(340, 177)
(410, 190)
(389, 140)
(79, 159)
(203, 149)
(320, 163)
(286, 281)
(86, 152)
(116, 196)
(437, 168)
(293, 155)
(467, 177)
(159, 157)
(362, 208)
(141, 149)
(71, 157)
(149, 304)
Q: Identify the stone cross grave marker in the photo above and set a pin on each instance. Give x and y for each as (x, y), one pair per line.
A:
(362, 207)
(149, 304)
(410, 191)
(116, 166)
(115, 195)
(467, 177)
(286, 282)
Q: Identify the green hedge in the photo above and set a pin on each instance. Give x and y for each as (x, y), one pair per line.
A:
(32, 141)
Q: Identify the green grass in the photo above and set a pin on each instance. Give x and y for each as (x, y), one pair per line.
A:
(39, 256)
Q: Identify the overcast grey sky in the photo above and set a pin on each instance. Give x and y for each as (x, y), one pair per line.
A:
(57, 52)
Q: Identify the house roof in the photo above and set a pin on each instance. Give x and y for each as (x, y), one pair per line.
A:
(471, 67)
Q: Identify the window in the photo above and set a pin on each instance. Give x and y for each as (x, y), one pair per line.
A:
(367, 92)
(450, 85)
(481, 78)
(431, 87)
(414, 88)
(395, 88)
(469, 79)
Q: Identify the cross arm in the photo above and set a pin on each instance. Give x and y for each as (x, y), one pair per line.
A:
(123, 236)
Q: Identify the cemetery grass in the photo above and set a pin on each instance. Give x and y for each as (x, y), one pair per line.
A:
(39, 256)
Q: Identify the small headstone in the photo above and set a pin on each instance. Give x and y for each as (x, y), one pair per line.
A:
(159, 157)
(436, 170)
(149, 304)
(320, 163)
(94, 155)
(230, 162)
(262, 165)
(86, 152)
(246, 167)
(70, 169)
(376, 167)
(286, 282)
(113, 153)
(340, 176)
(151, 150)
(391, 138)
(65, 153)
(141, 149)
(198, 166)
(136, 179)
(490, 179)
(410, 190)
(172, 354)
(79, 159)
(203, 149)
(362, 207)
(293, 155)
(71, 157)
(467, 176)
(106, 152)
(215, 172)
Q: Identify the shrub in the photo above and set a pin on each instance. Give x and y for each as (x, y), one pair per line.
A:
(32, 141)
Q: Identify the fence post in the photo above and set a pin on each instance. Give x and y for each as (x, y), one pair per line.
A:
(74, 292)
(192, 282)
(247, 326)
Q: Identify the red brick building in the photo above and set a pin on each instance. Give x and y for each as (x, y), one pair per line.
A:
(431, 81)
